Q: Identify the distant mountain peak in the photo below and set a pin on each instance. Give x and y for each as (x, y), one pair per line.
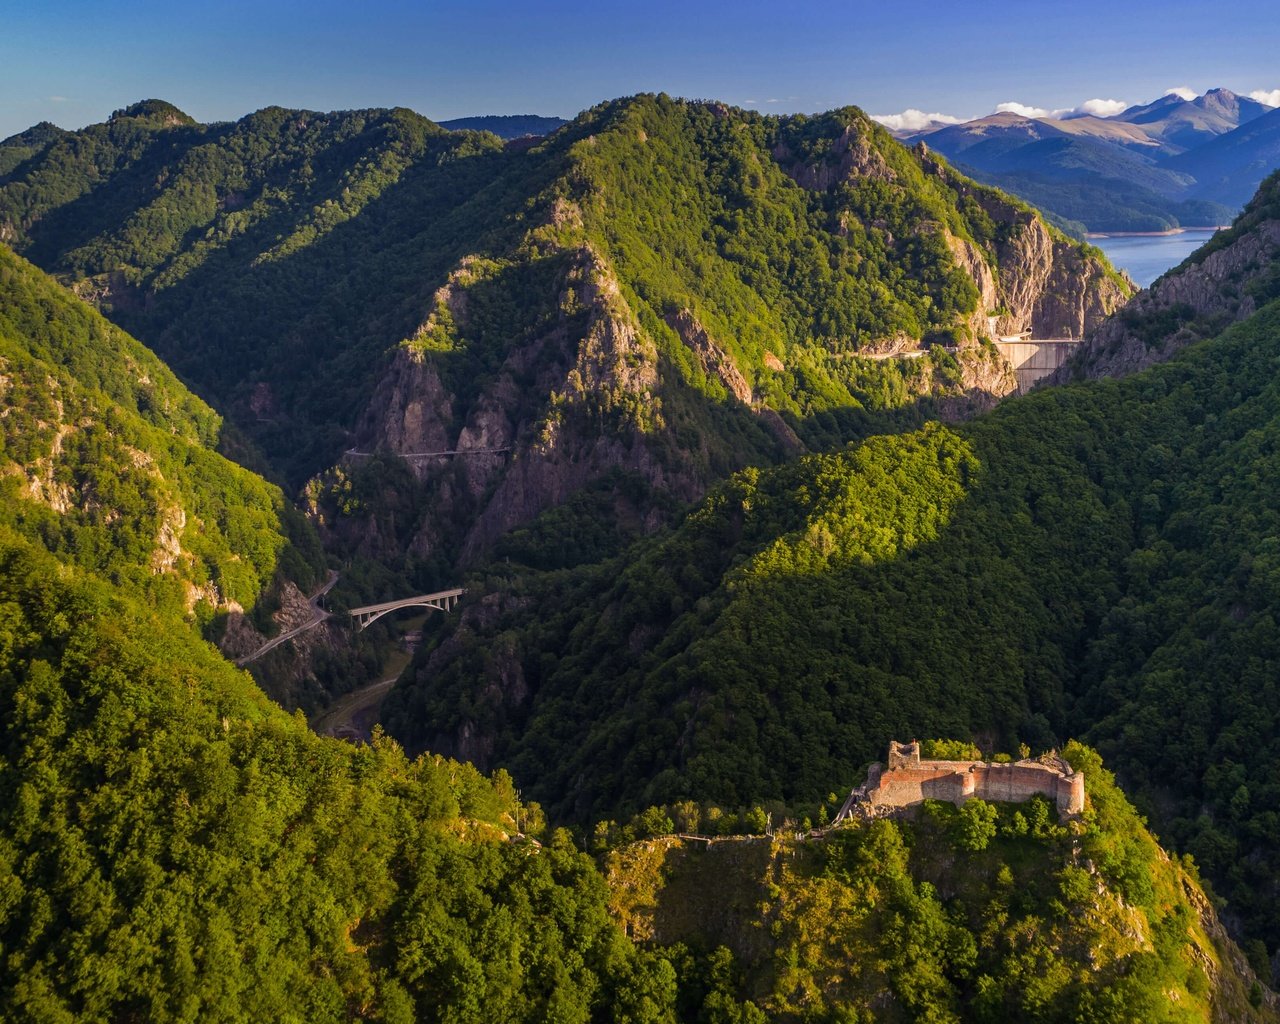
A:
(154, 110)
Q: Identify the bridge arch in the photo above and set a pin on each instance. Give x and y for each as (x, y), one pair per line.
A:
(442, 601)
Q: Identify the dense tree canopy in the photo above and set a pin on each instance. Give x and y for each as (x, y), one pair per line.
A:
(1090, 560)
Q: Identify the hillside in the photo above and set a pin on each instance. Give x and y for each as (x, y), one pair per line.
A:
(1088, 560)
(988, 912)
(663, 289)
(175, 847)
(107, 460)
(17, 148)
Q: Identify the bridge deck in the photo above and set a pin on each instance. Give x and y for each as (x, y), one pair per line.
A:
(404, 602)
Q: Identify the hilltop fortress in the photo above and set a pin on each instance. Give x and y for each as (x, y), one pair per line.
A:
(908, 781)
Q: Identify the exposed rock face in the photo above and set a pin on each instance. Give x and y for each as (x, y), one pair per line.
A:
(1043, 283)
(716, 362)
(1186, 305)
(719, 365)
(1032, 280)
(854, 156)
(986, 377)
(600, 372)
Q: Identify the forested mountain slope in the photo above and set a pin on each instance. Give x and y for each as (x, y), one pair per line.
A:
(664, 289)
(1090, 560)
(107, 460)
(174, 847)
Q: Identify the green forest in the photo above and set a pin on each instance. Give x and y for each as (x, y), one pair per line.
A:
(691, 290)
(280, 264)
(1087, 561)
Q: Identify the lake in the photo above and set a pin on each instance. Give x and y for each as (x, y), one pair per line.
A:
(1146, 257)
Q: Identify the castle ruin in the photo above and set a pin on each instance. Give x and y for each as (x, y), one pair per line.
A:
(910, 780)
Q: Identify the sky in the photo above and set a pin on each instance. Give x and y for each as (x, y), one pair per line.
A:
(73, 62)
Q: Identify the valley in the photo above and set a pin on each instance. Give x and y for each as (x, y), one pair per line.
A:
(456, 571)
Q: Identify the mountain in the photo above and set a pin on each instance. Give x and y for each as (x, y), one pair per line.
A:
(1141, 170)
(1230, 168)
(1089, 560)
(175, 847)
(17, 148)
(1180, 124)
(663, 290)
(506, 126)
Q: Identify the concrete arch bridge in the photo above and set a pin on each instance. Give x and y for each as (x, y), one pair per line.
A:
(442, 601)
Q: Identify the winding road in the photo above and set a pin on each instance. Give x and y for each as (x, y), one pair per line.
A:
(318, 615)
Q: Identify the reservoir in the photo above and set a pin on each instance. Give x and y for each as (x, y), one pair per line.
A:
(1146, 257)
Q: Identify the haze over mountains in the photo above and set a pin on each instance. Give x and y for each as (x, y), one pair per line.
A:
(1151, 167)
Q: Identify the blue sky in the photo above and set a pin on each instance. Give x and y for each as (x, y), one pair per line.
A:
(73, 62)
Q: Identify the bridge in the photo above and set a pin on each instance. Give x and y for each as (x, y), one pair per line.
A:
(441, 602)
(1034, 358)
(352, 453)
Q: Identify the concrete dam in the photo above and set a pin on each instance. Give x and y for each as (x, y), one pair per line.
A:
(1033, 358)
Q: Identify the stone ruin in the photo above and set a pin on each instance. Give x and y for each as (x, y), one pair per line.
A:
(909, 780)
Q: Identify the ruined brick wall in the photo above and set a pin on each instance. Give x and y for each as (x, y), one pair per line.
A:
(909, 780)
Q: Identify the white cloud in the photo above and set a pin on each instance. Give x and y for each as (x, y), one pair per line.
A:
(911, 120)
(57, 99)
(1101, 108)
(1096, 107)
(1271, 99)
(1182, 92)
(1023, 109)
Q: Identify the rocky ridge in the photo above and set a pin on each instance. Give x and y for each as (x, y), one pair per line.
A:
(1223, 283)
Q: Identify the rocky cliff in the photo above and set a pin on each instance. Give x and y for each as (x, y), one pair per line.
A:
(1224, 282)
(575, 398)
(1039, 280)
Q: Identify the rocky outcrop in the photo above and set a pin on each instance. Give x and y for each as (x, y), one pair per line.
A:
(1042, 282)
(569, 403)
(716, 363)
(852, 155)
(1188, 304)
(1029, 278)
(719, 365)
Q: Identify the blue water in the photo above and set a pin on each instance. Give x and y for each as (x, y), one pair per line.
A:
(1146, 257)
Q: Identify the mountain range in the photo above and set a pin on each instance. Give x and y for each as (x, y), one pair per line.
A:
(1152, 167)
(661, 289)
(701, 409)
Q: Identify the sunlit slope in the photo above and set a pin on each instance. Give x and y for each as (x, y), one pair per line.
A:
(989, 912)
(666, 288)
(173, 847)
(107, 460)
(1089, 560)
